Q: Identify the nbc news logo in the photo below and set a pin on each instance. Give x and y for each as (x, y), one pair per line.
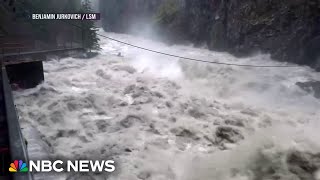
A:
(18, 166)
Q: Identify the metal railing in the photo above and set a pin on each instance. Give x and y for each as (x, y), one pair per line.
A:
(20, 55)
(18, 149)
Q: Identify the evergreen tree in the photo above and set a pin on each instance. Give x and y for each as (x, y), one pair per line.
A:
(90, 38)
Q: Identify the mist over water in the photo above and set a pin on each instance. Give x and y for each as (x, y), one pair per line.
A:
(158, 116)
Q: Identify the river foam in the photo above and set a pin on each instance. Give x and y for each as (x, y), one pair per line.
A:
(164, 118)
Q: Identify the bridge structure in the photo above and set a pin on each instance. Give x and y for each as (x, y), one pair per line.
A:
(21, 65)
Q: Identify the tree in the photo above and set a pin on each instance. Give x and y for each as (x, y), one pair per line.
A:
(89, 30)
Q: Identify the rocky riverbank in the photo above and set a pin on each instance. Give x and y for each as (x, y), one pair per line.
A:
(289, 30)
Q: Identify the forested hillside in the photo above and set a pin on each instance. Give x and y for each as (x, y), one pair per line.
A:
(289, 30)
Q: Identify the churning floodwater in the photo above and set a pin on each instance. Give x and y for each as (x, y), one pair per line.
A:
(165, 118)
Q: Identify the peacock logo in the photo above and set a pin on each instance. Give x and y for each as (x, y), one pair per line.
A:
(18, 166)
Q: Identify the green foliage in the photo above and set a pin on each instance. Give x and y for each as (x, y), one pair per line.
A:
(90, 38)
(167, 12)
(172, 20)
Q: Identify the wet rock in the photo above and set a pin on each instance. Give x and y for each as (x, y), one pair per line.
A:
(310, 87)
(128, 121)
(228, 134)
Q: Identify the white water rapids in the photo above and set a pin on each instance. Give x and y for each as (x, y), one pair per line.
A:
(158, 116)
